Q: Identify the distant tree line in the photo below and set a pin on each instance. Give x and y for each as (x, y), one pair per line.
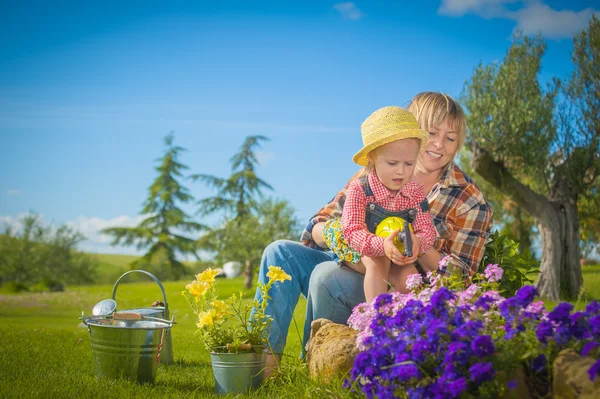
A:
(38, 257)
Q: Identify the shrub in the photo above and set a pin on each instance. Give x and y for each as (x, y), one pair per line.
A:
(518, 267)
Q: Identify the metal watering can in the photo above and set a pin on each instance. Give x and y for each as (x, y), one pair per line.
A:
(161, 312)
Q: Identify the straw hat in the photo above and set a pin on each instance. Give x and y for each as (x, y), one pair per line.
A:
(386, 125)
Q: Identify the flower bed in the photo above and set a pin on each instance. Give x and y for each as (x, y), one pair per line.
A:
(450, 340)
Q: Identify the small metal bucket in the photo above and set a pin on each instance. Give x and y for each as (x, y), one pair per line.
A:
(127, 345)
(238, 372)
(162, 312)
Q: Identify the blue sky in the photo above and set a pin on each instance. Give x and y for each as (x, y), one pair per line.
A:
(88, 93)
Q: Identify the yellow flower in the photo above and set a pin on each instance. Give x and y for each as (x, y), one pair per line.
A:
(207, 276)
(219, 306)
(276, 274)
(197, 288)
(205, 319)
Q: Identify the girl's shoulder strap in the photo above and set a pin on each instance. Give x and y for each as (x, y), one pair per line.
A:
(364, 180)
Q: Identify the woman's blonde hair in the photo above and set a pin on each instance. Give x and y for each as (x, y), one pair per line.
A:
(431, 110)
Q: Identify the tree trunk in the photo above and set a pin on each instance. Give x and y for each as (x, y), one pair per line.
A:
(248, 272)
(557, 221)
(560, 275)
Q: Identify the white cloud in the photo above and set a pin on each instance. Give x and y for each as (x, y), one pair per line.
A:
(484, 8)
(349, 10)
(13, 192)
(553, 24)
(90, 227)
(531, 16)
(263, 157)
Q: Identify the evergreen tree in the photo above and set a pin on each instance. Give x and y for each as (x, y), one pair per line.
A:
(161, 231)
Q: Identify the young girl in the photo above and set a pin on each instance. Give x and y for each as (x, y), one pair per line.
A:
(392, 141)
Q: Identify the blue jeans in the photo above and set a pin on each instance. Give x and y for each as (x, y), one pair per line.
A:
(331, 291)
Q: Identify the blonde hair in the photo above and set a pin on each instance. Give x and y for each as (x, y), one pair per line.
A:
(431, 110)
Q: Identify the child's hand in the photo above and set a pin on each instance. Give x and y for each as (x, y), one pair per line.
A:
(390, 249)
(416, 249)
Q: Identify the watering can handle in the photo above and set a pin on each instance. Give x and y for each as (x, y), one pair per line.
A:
(114, 291)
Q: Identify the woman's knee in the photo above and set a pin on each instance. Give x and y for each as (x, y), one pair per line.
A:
(322, 273)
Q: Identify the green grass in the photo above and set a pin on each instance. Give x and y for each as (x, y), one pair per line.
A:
(45, 350)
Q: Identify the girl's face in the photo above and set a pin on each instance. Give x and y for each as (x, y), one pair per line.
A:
(395, 162)
(440, 149)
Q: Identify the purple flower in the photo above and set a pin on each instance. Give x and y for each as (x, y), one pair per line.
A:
(594, 371)
(481, 372)
(458, 386)
(493, 273)
(588, 347)
(561, 312)
(440, 297)
(458, 353)
(593, 308)
(513, 384)
(539, 363)
(544, 331)
(482, 346)
(405, 372)
(382, 300)
(526, 295)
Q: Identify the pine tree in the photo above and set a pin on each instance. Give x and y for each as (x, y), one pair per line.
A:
(161, 231)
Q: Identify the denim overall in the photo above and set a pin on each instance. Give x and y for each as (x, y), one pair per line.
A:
(375, 213)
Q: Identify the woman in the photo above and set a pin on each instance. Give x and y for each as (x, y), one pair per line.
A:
(461, 216)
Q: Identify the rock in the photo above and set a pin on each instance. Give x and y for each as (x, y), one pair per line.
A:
(331, 350)
(570, 377)
(520, 391)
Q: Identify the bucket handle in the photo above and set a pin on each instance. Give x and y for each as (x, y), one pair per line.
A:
(114, 291)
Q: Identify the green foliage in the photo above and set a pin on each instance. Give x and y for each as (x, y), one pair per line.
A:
(161, 232)
(43, 258)
(510, 113)
(236, 195)
(518, 266)
(250, 222)
(244, 239)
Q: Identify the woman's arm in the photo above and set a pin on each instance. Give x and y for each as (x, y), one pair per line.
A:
(466, 243)
(312, 236)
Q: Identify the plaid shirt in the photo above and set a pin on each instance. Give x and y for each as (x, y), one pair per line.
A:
(353, 215)
(461, 216)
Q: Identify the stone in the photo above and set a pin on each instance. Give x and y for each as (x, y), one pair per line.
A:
(331, 350)
(570, 378)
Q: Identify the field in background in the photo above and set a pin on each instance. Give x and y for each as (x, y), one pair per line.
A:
(110, 267)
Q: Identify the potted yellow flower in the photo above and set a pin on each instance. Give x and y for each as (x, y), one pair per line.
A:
(233, 333)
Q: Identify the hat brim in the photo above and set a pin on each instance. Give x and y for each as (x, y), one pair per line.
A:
(362, 156)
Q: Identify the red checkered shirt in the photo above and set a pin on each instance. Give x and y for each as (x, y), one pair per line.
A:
(461, 216)
(353, 216)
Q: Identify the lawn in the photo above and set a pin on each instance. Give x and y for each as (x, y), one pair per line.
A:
(45, 350)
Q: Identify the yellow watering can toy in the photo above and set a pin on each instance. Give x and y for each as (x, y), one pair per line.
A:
(403, 241)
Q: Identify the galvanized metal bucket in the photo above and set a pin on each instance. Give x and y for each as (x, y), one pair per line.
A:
(127, 345)
(238, 372)
(161, 312)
